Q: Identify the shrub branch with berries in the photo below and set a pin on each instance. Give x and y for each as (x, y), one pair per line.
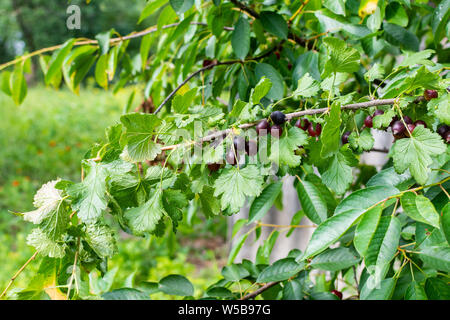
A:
(247, 95)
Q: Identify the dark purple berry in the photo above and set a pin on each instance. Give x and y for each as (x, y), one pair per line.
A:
(442, 130)
(398, 127)
(368, 122)
(251, 147)
(337, 293)
(314, 132)
(232, 157)
(276, 131)
(420, 123)
(302, 124)
(411, 128)
(430, 94)
(446, 137)
(262, 127)
(378, 112)
(278, 117)
(345, 137)
(407, 120)
(239, 143)
(394, 119)
(213, 167)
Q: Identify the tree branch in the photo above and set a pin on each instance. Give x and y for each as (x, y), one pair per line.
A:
(289, 116)
(17, 274)
(132, 35)
(260, 290)
(212, 65)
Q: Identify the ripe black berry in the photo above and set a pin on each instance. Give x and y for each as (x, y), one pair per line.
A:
(378, 112)
(302, 124)
(394, 119)
(289, 66)
(276, 131)
(345, 137)
(398, 127)
(337, 293)
(420, 123)
(446, 137)
(262, 127)
(430, 94)
(278, 117)
(442, 130)
(232, 157)
(407, 120)
(368, 122)
(314, 132)
(411, 128)
(239, 143)
(251, 147)
(213, 167)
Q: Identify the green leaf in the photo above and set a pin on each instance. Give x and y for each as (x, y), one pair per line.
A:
(362, 142)
(415, 292)
(263, 253)
(395, 13)
(437, 257)
(234, 272)
(150, 8)
(280, 270)
(274, 23)
(439, 20)
(437, 289)
(125, 294)
(338, 175)
(365, 230)
(441, 108)
(293, 290)
(445, 220)
(307, 62)
(174, 202)
(146, 217)
(219, 292)
(182, 102)
(333, 23)
(261, 205)
(57, 61)
(237, 247)
(181, 6)
(210, 204)
(420, 208)
(345, 215)
(383, 291)
(389, 177)
(234, 184)
(5, 82)
(100, 71)
(276, 92)
(101, 239)
(341, 58)
(46, 246)
(176, 285)
(260, 90)
(56, 222)
(138, 137)
(335, 259)
(383, 245)
(331, 132)
(18, 84)
(312, 201)
(415, 153)
(376, 72)
(399, 36)
(104, 39)
(307, 87)
(336, 6)
(383, 120)
(89, 196)
(240, 38)
(413, 58)
(283, 150)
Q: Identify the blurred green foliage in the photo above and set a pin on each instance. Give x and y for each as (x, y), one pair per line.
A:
(45, 138)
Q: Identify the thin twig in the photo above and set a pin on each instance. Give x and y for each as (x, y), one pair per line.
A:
(132, 35)
(17, 274)
(289, 116)
(260, 290)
